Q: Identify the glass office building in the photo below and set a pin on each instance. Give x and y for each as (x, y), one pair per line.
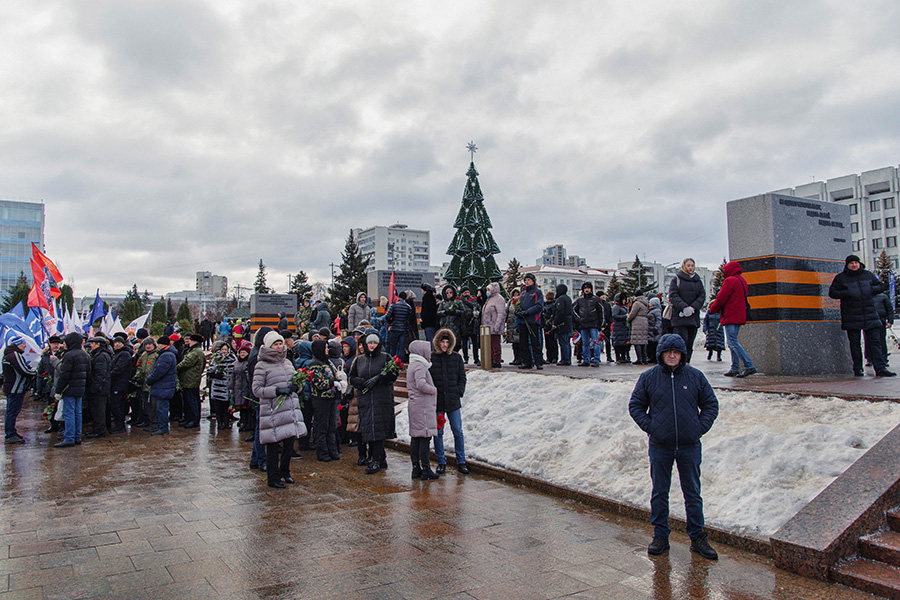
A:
(21, 222)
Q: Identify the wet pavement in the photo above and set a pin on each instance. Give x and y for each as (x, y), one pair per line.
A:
(181, 516)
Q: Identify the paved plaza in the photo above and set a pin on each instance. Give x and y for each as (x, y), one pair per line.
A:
(182, 516)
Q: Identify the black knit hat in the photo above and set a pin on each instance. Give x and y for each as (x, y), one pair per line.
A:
(852, 258)
(529, 276)
(142, 333)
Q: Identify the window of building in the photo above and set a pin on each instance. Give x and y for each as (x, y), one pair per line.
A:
(890, 222)
(891, 241)
(876, 224)
(876, 244)
(854, 227)
(854, 209)
(874, 205)
(888, 203)
(895, 263)
(854, 246)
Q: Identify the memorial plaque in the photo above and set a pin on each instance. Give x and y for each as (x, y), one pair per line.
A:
(379, 282)
(266, 309)
(790, 249)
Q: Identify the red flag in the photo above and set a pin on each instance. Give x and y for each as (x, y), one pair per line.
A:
(43, 261)
(36, 297)
(392, 291)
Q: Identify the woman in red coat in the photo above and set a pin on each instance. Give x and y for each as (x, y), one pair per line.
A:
(731, 303)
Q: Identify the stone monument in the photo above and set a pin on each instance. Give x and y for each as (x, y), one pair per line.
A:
(266, 309)
(378, 283)
(790, 249)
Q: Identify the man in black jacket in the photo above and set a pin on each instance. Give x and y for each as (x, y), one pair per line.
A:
(674, 405)
(589, 313)
(856, 289)
(562, 324)
(17, 374)
(429, 312)
(71, 385)
(397, 318)
(98, 389)
(120, 375)
(607, 321)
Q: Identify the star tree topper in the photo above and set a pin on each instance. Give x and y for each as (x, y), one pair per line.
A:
(472, 150)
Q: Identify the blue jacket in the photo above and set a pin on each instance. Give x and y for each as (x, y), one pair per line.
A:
(304, 354)
(531, 302)
(397, 316)
(162, 378)
(675, 407)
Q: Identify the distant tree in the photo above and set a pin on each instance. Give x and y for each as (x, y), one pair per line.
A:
(184, 313)
(513, 280)
(883, 269)
(158, 314)
(131, 310)
(133, 294)
(351, 278)
(67, 297)
(18, 294)
(260, 286)
(146, 302)
(613, 288)
(170, 311)
(636, 278)
(300, 287)
(718, 280)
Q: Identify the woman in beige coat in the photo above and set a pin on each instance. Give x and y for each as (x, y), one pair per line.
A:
(637, 316)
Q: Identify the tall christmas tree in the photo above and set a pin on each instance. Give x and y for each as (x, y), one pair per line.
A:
(473, 247)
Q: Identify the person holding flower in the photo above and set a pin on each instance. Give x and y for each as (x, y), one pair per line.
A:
(374, 379)
(280, 419)
(323, 393)
(218, 376)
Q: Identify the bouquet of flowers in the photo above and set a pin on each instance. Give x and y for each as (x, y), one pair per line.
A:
(441, 420)
(391, 367)
(300, 378)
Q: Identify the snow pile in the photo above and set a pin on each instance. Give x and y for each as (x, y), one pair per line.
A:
(766, 456)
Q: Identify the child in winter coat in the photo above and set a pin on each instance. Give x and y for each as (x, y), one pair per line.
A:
(421, 408)
(715, 335)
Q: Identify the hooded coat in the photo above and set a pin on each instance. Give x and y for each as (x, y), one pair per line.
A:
(323, 317)
(494, 313)
(448, 373)
(239, 382)
(376, 405)
(674, 406)
(357, 313)
(857, 290)
(162, 378)
(563, 310)
(122, 369)
(74, 368)
(429, 309)
(451, 313)
(273, 371)
(422, 405)
(620, 335)
(531, 302)
(731, 301)
(715, 333)
(640, 308)
(686, 290)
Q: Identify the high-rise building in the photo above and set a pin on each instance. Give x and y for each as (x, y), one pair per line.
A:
(215, 285)
(874, 201)
(395, 248)
(556, 256)
(21, 223)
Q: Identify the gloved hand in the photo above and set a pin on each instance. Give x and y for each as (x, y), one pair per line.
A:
(282, 391)
(58, 397)
(521, 314)
(372, 382)
(294, 388)
(688, 311)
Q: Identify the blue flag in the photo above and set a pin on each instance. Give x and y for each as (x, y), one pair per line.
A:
(35, 322)
(97, 312)
(19, 310)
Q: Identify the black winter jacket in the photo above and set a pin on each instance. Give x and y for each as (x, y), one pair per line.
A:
(122, 370)
(590, 312)
(17, 373)
(397, 316)
(857, 290)
(101, 368)
(74, 368)
(429, 310)
(563, 314)
(884, 308)
(686, 290)
(449, 375)
(376, 406)
(675, 407)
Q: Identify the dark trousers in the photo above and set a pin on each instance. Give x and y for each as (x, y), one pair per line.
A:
(687, 458)
(176, 406)
(608, 343)
(396, 345)
(97, 404)
(13, 407)
(116, 411)
(136, 406)
(476, 343)
(651, 351)
(873, 343)
(687, 333)
(363, 448)
(552, 347)
(530, 351)
(191, 405)
(223, 419)
(496, 350)
(325, 427)
(278, 459)
(307, 410)
(377, 453)
(419, 453)
(623, 353)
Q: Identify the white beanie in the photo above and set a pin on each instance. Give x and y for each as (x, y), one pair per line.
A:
(271, 338)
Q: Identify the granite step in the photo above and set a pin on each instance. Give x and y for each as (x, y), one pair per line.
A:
(893, 519)
(883, 546)
(869, 576)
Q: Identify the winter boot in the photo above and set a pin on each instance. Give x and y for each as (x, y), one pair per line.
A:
(701, 546)
(658, 546)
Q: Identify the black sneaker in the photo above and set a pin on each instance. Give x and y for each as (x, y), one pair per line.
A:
(859, 373)
(731, 374)
(441, 469)
(746, 373)
(462, 468)
(658, 546)
(14, 439)
(701, 546)
(885, 373)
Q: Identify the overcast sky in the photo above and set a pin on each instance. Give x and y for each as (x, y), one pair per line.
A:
(171, 136)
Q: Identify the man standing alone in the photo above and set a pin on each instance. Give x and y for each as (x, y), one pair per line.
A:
(674, 404)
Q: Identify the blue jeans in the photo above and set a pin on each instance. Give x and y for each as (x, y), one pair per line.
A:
(13, 407)
(737, 351)
(397, 344)
(429, 334)
(565, 347)
(590, 345)
(688, 460)
(258, 455)
(72, 417)
(454, 419)
(162, 413)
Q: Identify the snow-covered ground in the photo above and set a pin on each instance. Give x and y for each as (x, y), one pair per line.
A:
(766, 456)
